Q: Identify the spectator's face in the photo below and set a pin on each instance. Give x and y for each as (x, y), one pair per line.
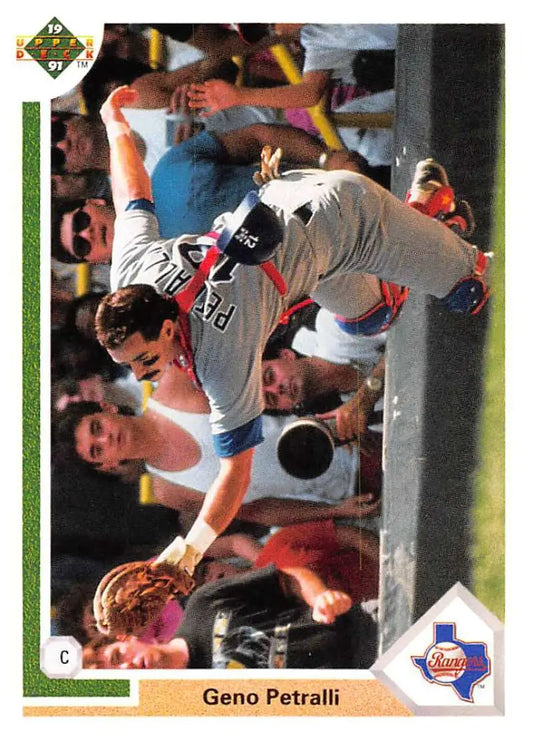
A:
(131, 654)
(104, 439)
(88, 232)
(283, 382)
(75, 142)
(148, 359)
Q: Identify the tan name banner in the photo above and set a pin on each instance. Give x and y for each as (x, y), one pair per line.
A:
(291, 697)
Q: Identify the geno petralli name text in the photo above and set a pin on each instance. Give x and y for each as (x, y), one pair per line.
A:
(271, 697)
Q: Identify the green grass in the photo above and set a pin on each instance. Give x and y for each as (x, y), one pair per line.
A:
(489, 502)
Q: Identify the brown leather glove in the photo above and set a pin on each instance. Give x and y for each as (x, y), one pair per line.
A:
(133, 595)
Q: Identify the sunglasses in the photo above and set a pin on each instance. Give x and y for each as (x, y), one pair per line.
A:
(80, 246)
(59, 133)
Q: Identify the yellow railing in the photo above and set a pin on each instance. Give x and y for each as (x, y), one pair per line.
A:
(317, 113)
(146, 494)
(327, 123)
(156, 49)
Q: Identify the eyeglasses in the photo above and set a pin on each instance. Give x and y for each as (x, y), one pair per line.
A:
(80, 246)
(59, 133)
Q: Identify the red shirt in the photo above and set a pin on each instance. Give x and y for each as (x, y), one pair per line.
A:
(315, 545)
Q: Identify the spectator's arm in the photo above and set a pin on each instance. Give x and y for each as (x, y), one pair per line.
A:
(175, 496)
(326, 604)
(244, 145)
(236, 544)
(216, 95)
(284, 512)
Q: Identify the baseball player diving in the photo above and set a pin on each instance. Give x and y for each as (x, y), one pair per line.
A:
(334, 231)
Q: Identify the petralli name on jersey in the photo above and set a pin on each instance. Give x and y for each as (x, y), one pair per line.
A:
(272, 697)
(209, 304)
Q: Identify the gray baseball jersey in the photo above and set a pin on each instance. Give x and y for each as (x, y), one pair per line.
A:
(337, 225)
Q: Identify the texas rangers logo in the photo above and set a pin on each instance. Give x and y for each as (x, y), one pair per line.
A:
(451, 661)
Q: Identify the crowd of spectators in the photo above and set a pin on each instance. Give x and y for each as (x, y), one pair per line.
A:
(202, 116)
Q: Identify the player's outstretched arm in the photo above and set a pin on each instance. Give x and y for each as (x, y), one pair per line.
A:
(221, 505)
(129, 179)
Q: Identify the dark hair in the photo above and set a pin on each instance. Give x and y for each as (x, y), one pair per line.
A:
(176, 31)
(138, 308)
(90, 300)
(74, 356)
(283, 335)
(59, 209)
(64, 425)
(69, 611)
(374, 69)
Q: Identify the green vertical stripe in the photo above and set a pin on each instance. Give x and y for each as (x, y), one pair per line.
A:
(35, 682)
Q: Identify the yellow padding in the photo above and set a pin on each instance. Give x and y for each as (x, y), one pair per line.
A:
(83, 270)
(147, 392)
(83, 279)
(146, 492)
(146, 495)
(240, 75)
(156, 50)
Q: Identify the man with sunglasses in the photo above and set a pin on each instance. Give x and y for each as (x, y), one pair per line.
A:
(83, 231)
(336, 226)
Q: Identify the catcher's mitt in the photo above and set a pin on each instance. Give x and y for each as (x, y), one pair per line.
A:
(133, 595)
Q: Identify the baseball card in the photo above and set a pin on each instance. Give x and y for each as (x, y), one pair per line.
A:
(261, 273)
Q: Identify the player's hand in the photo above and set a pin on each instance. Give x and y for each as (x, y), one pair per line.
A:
(117, 99)
(190, 559)
(213, 96)
(330, 604)
(269, 165)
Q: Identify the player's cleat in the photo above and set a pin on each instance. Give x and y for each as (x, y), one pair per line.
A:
(470, 294)
(430, 191)
(461, 220)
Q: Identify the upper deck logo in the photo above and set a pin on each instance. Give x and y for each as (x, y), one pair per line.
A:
(55, 47)
(451, 661)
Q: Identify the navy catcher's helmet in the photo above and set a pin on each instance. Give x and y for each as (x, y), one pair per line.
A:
(253, 234)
